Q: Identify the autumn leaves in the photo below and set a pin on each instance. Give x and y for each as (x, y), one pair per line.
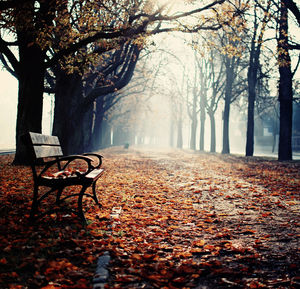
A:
(169, 220)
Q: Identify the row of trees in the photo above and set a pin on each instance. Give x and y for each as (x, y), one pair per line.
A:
(86, 51)
(234, 63)
(82, 51)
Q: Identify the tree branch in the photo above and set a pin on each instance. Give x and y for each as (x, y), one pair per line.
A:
(10, 56)
(292, 6)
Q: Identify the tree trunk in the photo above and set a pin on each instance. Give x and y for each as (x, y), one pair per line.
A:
(250, 121)
(68, 95)
(193, 133)
(226, 148)
(274, 132)
(83, 131)
(229, 64)
(101, 135)
(96, 140)
(252, 76)
(194, 123)
(285, 126)
(72, 128)
(179, 129)
(202, 127)
(121, 136)
(30, 96)
(179, 134)
(285, 90)
(252, 81)
(105, 134)
(212, 132)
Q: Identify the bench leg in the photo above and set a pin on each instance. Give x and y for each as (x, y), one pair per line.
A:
(58, 195)
(95, 195)
(80, 211)
(34, 205)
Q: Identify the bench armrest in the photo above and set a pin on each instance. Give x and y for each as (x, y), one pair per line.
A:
(97, 156)
(68, 160)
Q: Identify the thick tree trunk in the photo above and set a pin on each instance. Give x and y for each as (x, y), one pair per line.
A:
(84, 131)
(30, 98)
(30, 70)
(212, 133)
(97, 133)
(285, 90)
(285, 126)
(68, 95)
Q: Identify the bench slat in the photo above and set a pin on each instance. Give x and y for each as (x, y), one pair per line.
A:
(42, 151)
(40, 139)
(95, 173)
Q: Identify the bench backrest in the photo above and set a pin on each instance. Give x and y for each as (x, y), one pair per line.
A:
(44, 145)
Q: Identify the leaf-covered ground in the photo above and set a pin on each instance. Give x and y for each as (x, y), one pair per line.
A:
(184, 220)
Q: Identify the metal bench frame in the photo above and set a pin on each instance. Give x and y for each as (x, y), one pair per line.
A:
(46, 155)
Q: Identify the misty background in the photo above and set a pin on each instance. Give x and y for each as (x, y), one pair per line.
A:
(168, 63)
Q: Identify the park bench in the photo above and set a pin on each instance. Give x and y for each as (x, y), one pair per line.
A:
(54, 171)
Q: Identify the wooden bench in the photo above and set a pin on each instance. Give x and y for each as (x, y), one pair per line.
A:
(53, 170)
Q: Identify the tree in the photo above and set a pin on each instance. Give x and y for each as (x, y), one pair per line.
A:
(78, 105)
(211, 75)
(285, 89)
(129, 114)
(231, 49)
(199, 92)
(177, 101)
(217, 90)
(204, 67)
(175, 87)
(227, 41)
(33, 24)
(258, 30)
(232, 90)
(285, 80)
(193, 104)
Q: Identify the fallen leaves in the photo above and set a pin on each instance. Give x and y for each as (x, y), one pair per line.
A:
(169, 220)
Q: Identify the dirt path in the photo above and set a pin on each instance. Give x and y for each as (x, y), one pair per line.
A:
(231, 216)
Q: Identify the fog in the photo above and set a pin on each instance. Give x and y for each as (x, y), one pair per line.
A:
(8, 107)
(157, 123)
(173, 57)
